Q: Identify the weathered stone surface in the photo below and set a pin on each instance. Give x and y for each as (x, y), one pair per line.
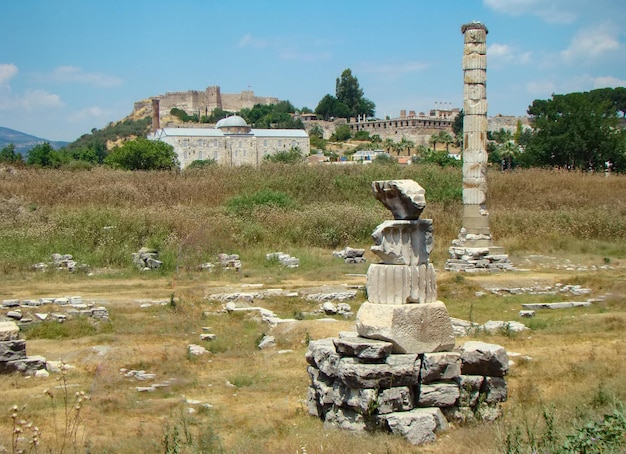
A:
(401, 284)
(439, 394)
(345, 418)
(323, 386)
(440, 366)
(481, 358)
(469, 388)
(322, 354)
(9, 331)
(398, 370)
(10, 303)
(494, 389)
(362, 348)
(267, 342)
(460, 415)
(29, 365)
(418, 426)
(403, 242)
(196, 350)
(404, 198)
(398, 398)
(363, 400)
(560, 305)
(499, 326)
(412, 328)
(12, 350)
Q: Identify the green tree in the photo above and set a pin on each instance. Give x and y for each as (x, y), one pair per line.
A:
(342, 133)
(8, 155)
(330, 107)
(349, 92)
(445, 138)
(575, 131)
(43, 155)
(143, 154)
(457, 127)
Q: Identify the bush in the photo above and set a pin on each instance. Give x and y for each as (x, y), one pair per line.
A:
(291, 156)
(245, 204)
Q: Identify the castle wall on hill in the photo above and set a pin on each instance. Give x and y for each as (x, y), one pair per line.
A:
(203, 102)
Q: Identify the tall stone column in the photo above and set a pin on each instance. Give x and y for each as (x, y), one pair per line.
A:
(475, 214)
(474, 247)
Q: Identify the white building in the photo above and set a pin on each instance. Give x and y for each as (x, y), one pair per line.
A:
(232, 142)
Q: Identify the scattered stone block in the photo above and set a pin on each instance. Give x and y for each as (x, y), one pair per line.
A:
(10, 303)
(561, 305)
(196, 350)
(267, 342)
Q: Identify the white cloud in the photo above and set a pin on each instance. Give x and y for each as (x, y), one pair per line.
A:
(7, 72)
(608, 81)
(88, 113)
(39, 100)
(592, 42)
(76, 74)
(499, 55)
(552, 11)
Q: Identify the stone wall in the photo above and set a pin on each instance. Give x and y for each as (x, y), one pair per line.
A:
(202, 102)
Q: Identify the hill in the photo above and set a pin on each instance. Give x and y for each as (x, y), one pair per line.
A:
(24, 142)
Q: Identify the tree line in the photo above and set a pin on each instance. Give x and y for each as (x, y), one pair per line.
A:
(575, 131)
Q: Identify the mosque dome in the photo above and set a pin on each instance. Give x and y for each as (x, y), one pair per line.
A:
(234, 121)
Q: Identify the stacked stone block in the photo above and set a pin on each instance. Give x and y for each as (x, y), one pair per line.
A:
(359, 384)
(398, 371)
(13, 356)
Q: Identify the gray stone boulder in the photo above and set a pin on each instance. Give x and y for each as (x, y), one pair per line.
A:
(481, 358)
(418, 426)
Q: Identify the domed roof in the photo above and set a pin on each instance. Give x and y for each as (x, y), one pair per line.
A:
(232, 121)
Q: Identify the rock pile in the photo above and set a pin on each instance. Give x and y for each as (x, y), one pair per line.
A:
(64, 262)
(224, 261)
(13, 356)
(284, 259)
(358, 384)
(52, 309)
(351, 255)
(146, 259)
(399, 372)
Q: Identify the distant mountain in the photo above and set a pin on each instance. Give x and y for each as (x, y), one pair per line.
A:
(24, 142)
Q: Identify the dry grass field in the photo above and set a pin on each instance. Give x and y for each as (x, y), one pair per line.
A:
(559, 228)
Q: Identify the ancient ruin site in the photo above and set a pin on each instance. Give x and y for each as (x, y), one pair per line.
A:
(310, 309)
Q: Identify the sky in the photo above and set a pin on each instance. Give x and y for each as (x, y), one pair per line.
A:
(68, 66)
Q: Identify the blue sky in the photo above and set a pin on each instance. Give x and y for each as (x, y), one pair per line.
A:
(67, 66)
